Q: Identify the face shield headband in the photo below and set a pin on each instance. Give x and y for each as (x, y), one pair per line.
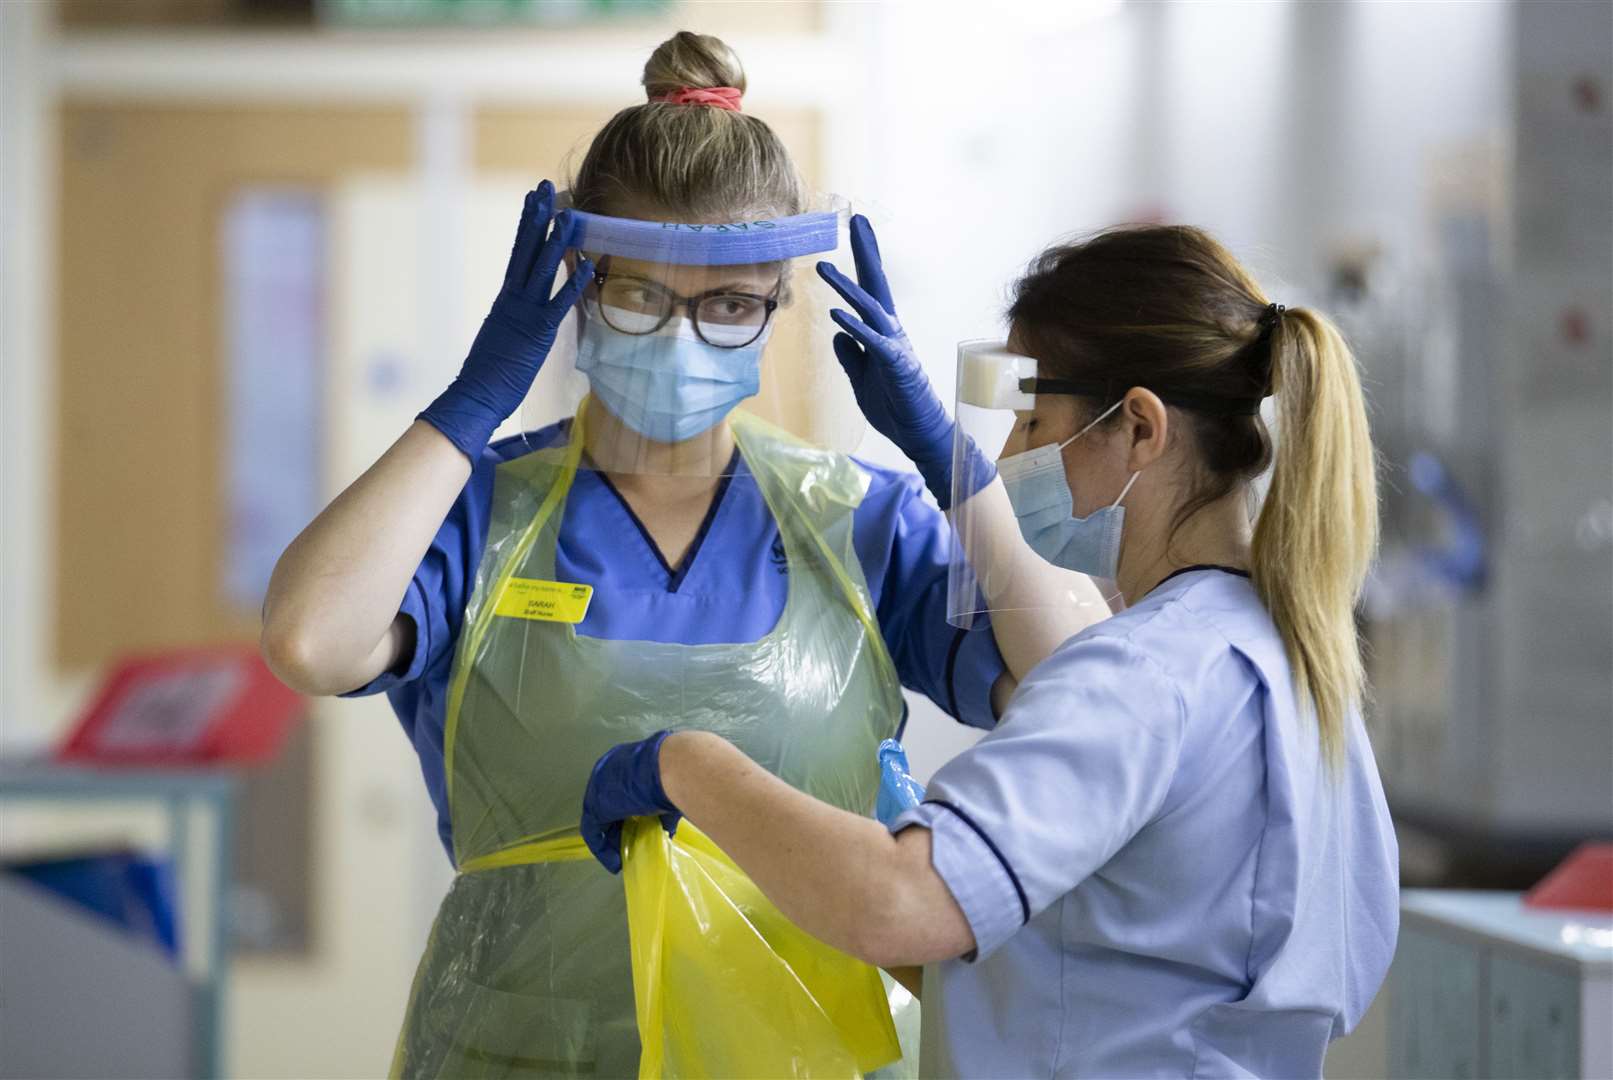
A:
(736, 243)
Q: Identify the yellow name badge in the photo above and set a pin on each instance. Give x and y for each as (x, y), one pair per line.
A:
(545, 601)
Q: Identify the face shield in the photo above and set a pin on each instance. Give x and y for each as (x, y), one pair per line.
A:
(995, 573)
(685, 323)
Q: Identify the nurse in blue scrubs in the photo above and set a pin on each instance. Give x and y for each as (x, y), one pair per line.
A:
(660, 560)
(1172, 856)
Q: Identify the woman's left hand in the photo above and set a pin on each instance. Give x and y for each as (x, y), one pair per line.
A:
(892, 389)
(625, 783)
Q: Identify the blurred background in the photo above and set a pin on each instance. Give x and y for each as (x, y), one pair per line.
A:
(245, 241)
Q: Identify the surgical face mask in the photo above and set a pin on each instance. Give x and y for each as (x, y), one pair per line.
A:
(668, 386)
(1045, 509)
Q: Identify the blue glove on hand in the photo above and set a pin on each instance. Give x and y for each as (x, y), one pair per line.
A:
(891, 387)
(517, 334)
(898, 791)
(626, 782)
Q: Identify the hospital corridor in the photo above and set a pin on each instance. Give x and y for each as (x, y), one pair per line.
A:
(790, 538)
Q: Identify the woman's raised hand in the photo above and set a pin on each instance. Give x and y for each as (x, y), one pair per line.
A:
(518, 332)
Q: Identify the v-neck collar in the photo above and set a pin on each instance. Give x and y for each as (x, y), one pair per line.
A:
(676, 576)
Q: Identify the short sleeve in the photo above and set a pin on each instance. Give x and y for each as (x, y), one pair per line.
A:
(436, 596)
(904, 545)
(1080, 763)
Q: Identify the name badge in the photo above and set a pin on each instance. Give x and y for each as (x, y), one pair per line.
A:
(544, 601)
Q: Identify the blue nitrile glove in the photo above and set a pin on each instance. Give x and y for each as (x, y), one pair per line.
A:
(898, 791)
(626, 782)
(891, 387)
(516, 335)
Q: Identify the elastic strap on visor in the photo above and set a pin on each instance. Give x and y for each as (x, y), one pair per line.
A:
(1216, 406)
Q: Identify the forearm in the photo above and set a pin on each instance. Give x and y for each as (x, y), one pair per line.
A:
(1035, 606)
(328, 620)
(841, 877)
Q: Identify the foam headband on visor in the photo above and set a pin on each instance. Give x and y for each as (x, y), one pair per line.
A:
(991, 377)
(723, 244)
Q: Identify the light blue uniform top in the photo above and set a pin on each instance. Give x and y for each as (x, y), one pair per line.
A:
(1162, 875)
(730, 587)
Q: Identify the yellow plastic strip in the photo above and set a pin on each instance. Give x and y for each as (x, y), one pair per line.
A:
(477, 630)
(558, 849)
(876, 639)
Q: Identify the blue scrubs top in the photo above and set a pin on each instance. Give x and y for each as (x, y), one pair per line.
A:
(1162, 875)
(731, 587)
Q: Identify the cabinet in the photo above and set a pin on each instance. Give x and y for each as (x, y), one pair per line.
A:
(1484, 987)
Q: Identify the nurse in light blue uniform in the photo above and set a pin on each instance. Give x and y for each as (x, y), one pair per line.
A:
(1172, 856)
(1159, 874)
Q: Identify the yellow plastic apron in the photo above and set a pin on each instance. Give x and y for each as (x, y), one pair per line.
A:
(527, 972)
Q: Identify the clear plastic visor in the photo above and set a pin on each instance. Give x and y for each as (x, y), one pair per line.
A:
(994, 571)
(682, 326)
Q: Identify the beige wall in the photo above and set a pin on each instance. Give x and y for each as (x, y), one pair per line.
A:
(140, 513)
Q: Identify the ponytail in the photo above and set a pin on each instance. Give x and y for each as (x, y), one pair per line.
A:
(1168, 308)
(1318, 528)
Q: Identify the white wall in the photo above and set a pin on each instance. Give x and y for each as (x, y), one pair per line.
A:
(976, 148)
(27, 186)
(1282, 128)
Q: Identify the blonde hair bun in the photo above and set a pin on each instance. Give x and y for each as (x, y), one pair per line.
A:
(684, 163)
(694, 62)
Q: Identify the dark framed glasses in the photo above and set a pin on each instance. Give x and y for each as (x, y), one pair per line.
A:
(721, 317)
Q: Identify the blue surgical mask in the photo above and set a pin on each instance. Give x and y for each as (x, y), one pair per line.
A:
(668, 386)
(1040, 494)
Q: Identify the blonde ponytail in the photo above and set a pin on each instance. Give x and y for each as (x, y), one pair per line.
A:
(1318, 529)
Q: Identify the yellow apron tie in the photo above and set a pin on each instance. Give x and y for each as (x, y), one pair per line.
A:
(558, 849)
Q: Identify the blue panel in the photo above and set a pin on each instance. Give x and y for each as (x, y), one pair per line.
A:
(130, 891)
(273, 263)
(734, 244)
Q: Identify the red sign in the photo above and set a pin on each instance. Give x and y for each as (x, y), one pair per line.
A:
(1581, 882)
(191, 707)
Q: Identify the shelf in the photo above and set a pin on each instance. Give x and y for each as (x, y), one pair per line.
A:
(348, 66)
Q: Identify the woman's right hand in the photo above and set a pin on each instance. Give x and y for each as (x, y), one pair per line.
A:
(331, 620)
(518, 332)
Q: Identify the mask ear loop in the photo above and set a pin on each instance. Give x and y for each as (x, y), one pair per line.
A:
(1108, 588)
(1125, 489)
(1113, 596)
(1101, 417)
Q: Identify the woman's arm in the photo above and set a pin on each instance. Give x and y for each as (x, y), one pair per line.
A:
(842, 878)
(1035, 606)
(330, 622)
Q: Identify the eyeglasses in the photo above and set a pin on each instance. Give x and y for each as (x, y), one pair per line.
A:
(725, 319)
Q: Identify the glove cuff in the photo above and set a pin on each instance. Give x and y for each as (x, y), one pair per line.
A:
(461, 421)
(938, 474)
(651, 747)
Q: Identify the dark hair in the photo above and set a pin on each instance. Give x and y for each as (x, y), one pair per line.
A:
(1169, 309)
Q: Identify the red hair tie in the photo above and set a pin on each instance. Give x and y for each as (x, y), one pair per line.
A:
(722, 97)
